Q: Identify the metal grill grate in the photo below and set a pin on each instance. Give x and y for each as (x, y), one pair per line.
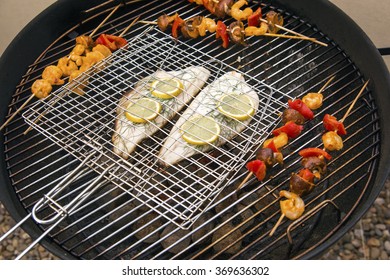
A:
(112, 225)
(82, 124)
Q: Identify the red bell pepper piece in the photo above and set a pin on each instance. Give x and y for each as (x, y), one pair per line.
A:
(119, 41)
(332, 124)
(103, 40)
(290, 128)
(272, 146)
(306, 175)
(314, 152)
(177, 23)
(258, 168)
(302, 108)
(254, 19)
(222, 33)
(110, 41)
(208, 4)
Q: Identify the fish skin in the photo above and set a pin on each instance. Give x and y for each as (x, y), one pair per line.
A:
(128, 135)
(175, 148)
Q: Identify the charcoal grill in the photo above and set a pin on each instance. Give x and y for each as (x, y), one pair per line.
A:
(113, 218)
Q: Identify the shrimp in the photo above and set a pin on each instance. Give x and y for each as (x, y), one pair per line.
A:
(41, 88)
(293, 207)
(67, 66)
(53, 75)
(313, 100)
(239, 14)
(86, 41)
(332, 141)
(79, 49)
(256, 31)
(102, 49)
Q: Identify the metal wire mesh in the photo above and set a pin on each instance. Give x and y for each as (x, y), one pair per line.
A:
(85, 123)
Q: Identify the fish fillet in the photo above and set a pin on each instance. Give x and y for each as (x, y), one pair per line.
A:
(128, 135)
(176, 148)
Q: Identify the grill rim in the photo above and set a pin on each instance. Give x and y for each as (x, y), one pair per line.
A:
(372, 67)
(62, 8)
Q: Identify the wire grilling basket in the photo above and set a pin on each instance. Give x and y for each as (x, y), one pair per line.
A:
(84, 125)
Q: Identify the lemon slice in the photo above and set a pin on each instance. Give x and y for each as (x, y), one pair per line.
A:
(236, 106)
(166, 88)
(200, 130)
(143, 110)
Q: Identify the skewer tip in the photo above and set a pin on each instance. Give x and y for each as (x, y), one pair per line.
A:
(244, 181)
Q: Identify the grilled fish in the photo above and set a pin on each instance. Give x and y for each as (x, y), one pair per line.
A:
(128, 135)
(176, 148)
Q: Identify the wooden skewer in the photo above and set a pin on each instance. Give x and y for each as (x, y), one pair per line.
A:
(148, 22)
(104, 20)
(128, 28)
(277, 225)
(354, 101)
(296, 33)
(289, 37)
(245, 180)
(326, 84)
(17, 111)
(342, 120)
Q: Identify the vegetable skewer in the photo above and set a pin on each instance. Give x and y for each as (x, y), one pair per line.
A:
(45, 87)
(235, 32)
(221, 8)
(306, 113)
(293, 198)
(122, 43)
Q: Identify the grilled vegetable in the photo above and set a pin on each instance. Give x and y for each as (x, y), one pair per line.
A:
(290, 128)
(302, 183)
(164, 21)
(317, 165)
(237, 33)
(258, 168)
(254, 19)
(292, 115)
(189, 30)
(278, 141)
(266, 155)
(332, 124)
(222, 8)
(314, 152)
(302, 108)
(222, 33)
(274, 20)
(177, 23)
